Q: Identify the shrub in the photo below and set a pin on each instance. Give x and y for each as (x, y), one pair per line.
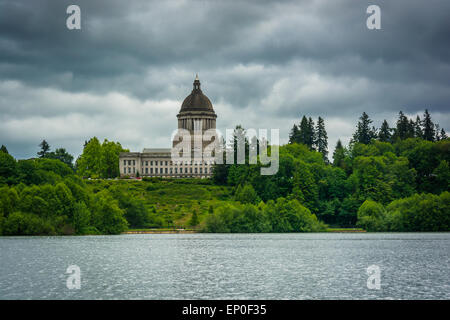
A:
(371, 216)
(19, 223)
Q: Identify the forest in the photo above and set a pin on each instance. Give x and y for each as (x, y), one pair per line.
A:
(385, 179)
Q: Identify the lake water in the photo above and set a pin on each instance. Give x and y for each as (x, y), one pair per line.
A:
(227, 266)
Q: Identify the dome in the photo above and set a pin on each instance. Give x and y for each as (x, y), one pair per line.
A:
(196, 101)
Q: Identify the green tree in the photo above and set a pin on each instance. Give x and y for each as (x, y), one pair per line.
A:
(305, 134)
(9, 200)
(246, 194)
(89, 162)
(418, 133)
(294, 135)
(194, 219)
(110, 151)
(19, 223)
(305, 189)
(364, 132)
(428, 127)
(107, 217)
(420, 212)
(135, 211)
(404, 128)
(442, 174)
(371, 216)
(384, 134)
(322, 139)
(8, 168)
(62, 155)
(45, 148)
(3, 148)
(338, 154)
(311, 136)
(81, 218)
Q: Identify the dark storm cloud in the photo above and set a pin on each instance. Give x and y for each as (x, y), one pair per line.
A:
(273, 61)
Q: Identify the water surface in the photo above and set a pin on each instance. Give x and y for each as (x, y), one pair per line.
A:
(227, 266)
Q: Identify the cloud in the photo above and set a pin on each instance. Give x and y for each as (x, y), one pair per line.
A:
(124, 75)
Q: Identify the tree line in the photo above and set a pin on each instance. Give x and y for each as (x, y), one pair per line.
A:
(311, 135)
(386, 179)
(379, 165)
(47, 195)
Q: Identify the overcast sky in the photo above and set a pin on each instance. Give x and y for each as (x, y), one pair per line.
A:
(263, 64)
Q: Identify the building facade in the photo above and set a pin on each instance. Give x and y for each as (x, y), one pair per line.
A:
(196, 116)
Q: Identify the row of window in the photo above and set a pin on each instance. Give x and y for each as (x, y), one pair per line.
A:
(161, 163)
(165, 170)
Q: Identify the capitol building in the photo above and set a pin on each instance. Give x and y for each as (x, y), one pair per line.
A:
(196, 116)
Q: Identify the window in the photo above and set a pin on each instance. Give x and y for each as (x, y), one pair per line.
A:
(151, 170)
(195, 170)
(176, 170)
(134, 170)
(134, 162)
(124, 162)
(160, 170)
(146, 163)
(151, 163)
(170, 170)
(129, 162)
(181, 170)
(201, 171)
(129, 169)
(146, 170)
(166, 163)
(206, 170)
(124, 170)
(190, 170)
(166, 170)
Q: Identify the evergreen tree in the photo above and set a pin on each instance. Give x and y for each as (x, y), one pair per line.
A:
(338, 154)
(410, 133)
(45, 148)
(304, 133)
(364, 133)
(294, 136)
(311, 134)
(443, 134)
(428, 127)
(3, 148)
(385, 132)
(322, 139)
(402, 129)
(194, 219)
(418, 133)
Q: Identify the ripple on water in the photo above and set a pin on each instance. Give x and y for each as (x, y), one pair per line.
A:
(233, 266)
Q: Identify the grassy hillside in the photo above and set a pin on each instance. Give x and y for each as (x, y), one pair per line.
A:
(169, 202)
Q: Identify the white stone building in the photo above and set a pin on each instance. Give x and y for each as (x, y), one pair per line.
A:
(196, 113)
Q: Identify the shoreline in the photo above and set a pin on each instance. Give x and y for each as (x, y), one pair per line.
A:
(188, 231)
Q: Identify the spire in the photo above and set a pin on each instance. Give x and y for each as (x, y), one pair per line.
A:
(196, 83)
